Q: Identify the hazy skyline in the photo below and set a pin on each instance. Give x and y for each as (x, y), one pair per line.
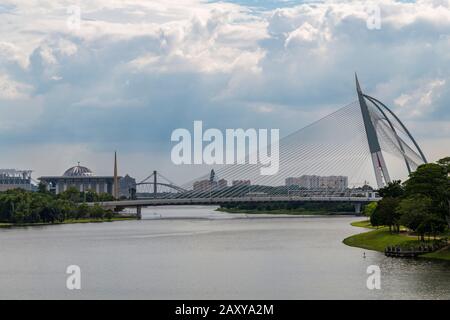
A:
(133, 71)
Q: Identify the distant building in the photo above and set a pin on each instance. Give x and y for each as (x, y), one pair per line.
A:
(334, 182)
(364, 191)
(83, 179)
(207, 185)
(313, 182)
(305, 181)
(13, 179)
(211, 184)
(127, 187)
(202, 185)
(222, 183)
(240, 183)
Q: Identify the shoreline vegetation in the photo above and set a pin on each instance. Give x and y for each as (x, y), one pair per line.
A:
(305, 208)
(19, 208)
(119, 217)
(378, 238)
(412, 218)
(293, 212)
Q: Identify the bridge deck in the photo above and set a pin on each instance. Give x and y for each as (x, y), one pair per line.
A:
(218, 201)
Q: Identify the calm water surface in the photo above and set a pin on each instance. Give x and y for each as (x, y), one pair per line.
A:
(202, 254)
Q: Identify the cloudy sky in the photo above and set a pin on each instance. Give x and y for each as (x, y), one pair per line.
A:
(128, 72)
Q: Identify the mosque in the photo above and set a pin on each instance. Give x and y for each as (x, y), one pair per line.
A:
(84, 179)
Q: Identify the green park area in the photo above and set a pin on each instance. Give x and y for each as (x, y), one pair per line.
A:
(411, 214)
(380, 238)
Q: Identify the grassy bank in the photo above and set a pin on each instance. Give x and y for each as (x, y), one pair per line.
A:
(443, 254)
(69, 221)
(363, 224)
(380, 238)
(280, 211)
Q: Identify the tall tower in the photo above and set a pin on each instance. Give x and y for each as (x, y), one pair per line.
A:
(379, 165)
(116, 179)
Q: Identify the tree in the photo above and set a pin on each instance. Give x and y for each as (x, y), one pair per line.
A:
(96, 212)
(105, 197)
(369, 209)
(90, 196)
(413, 211)
(20, 206)
(417, 214)
(83, 211)
(394, 189)
(386, 214)
(72, 194)
(445, 163)
(42, 188)
(109, 214)
(431, 180)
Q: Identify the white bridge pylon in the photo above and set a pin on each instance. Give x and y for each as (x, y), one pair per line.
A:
(371, 119)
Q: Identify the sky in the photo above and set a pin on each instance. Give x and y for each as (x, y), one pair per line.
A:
(80, 79)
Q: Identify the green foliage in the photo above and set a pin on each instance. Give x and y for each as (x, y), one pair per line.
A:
(386, 214)
(369, 209)
(42, 188)
(445, 163)
(363, 224)
(20, 206)
(290, 206)
(421, 204)
(430, 180)
(72, 194)
(96, 212)
(414, 210)
(417, 215)
(394, 189)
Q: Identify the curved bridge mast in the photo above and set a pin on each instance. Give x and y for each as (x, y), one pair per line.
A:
(379, 165)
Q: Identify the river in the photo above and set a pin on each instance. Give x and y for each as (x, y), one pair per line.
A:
(197, 253)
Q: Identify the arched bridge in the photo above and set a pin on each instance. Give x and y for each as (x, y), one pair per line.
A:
(156, 186)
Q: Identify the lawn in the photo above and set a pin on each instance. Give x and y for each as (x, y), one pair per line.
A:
(443, 254)
(380, 238)
(363, 224)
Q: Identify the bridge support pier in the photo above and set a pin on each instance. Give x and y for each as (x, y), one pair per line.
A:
(139, 212)
(357, 207)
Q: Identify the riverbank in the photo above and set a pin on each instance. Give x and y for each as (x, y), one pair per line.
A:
(379, 238)
(69, 221)
(299, 212)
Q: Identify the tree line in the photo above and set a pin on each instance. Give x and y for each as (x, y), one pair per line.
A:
(21, 206)
(421, 203)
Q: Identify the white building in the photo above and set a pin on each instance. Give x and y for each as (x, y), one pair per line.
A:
(313, 182)
(14, 179)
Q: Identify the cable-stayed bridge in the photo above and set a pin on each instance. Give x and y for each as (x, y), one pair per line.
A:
(322, 162)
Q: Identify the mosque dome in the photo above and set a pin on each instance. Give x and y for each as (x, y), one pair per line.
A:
(78, 171)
